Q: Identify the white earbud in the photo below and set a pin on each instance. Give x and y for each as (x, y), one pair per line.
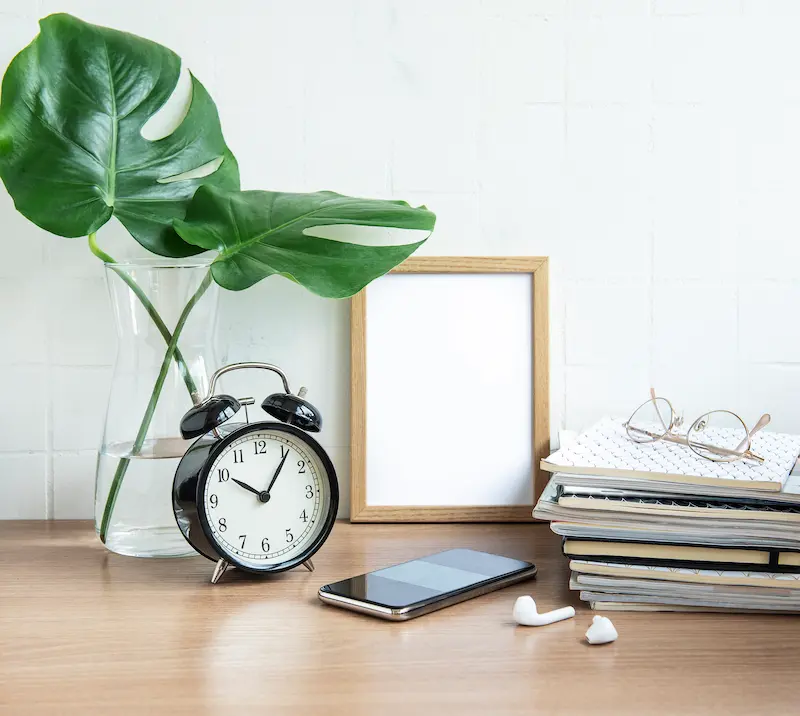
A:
(601, 631)
(525, 613)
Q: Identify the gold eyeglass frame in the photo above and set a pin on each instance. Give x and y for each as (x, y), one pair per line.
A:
(742, 452)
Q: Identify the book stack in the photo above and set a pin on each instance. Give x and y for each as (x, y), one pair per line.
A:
(655, 527)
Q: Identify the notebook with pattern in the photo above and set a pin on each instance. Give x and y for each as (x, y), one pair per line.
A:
(606, 449)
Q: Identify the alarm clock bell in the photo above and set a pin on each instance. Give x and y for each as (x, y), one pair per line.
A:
(227, 497)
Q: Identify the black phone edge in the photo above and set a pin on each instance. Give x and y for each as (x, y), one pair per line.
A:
(427, 606)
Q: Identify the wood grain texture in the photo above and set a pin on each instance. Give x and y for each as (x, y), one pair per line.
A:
(358, 404)
(360, 511)
(541, 377)
(85, 632)
(471, 264)
(460, 513)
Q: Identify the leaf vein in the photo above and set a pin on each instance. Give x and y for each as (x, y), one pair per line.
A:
(63, 136)
(260, 237)
(233, 221)
(147, 217)
(91, 100)
(112, 160)
(163, 160)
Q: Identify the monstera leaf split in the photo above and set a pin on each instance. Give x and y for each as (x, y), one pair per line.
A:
(260, 233)
(72, 155)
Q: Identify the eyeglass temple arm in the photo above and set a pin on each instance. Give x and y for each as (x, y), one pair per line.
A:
(763, 421)
(682, 440)
(653, 398)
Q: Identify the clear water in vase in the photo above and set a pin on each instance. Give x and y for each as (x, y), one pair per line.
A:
(141, 523)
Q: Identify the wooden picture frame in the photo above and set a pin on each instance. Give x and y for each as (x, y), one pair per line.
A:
(360, 510)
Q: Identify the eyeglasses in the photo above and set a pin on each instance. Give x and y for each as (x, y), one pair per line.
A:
(719, 435)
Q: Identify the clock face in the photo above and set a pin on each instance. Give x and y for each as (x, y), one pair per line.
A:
(269, 497)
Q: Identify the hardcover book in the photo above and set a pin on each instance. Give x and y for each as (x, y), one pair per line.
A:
(742, 578)
(682, 555)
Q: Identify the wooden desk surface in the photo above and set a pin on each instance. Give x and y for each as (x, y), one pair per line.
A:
(86, 632)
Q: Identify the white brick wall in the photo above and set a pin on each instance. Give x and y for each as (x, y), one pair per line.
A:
(649, 147)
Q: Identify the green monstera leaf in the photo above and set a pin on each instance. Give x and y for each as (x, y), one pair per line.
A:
(72, 153)
(261, 233)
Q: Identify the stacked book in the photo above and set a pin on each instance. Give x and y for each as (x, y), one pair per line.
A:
(656, 527)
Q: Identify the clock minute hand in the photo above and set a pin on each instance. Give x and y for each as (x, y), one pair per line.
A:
(277, 472)
(246, 486)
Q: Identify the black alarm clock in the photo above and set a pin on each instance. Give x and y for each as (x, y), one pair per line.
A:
(258, 496)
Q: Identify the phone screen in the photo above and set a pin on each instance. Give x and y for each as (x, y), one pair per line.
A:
(427, 578)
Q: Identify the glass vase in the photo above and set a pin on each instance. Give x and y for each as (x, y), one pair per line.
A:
(165, 314)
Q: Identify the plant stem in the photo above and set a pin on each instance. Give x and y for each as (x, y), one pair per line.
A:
(124, 462)
(151, 311)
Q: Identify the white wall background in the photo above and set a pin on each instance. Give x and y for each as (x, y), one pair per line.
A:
(650, 147)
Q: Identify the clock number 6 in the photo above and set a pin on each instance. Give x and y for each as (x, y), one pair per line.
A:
(265, 545)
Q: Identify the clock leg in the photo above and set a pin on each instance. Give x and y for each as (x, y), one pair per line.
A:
(219, 570)
(309, 565)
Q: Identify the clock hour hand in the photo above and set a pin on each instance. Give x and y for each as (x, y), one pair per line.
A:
(246, 486)
(277, 472)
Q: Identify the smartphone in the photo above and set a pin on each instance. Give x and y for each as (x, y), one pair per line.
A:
(424, 585)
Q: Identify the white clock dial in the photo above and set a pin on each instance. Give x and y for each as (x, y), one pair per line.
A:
(266, 498)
